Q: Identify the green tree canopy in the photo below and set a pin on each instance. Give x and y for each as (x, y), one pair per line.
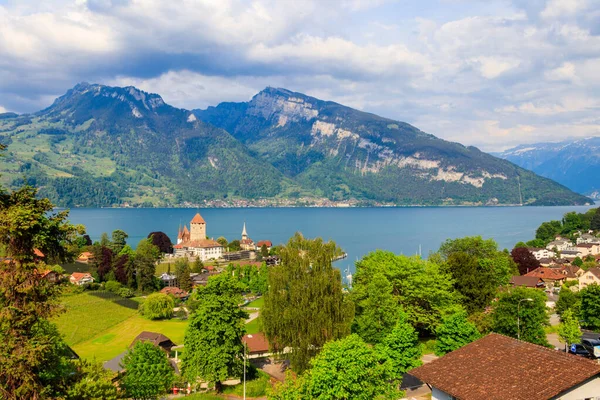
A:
(402, 348)
(568, 300)
(548, 231)
(93, 382)
(377, 309)
(476, 283)
(119, 240)
(213, 339)
(577, 261)
(305, 306)
(149, 373)
(590, 306)
(146, 256)
(568, 330)
(182, 272)
(454, 332)
(421, 288)
(157, 306)
(595, 221)
(531, 314)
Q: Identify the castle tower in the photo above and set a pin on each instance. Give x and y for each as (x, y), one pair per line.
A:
(197, 228)
(244, 234)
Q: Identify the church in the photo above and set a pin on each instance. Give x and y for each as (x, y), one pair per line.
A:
(193, 243)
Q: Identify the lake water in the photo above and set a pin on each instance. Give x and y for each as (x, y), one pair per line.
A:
(357, 230)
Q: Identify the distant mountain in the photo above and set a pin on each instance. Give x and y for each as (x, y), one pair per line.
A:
(574, 163)
(100, 146)
(339, 152)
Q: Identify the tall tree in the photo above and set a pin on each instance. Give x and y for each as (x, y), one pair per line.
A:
(454, 332)
(182, 272)
(213, 339)
(119, 240)
(568, 300)
(568, 329)
(590, 306)
(162, 241)
(93, 382)
(424, 291)
(149, 373)
(402, 348)
(526, 262)
(146, 256)
(514, 314)
(595, 222)
(27, 300)
(476, 284)
(305, 306)
(548, 230)
(377, 309)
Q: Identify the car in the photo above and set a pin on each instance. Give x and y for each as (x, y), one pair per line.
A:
(592, 346)
(579, 350)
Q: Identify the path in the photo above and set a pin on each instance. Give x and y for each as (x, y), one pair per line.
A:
(252, 317)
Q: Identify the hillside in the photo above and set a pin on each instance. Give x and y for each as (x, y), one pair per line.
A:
(339, 152)
(573, 163)
(100, 146)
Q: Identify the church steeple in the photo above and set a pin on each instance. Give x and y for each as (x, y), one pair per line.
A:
(244, 234)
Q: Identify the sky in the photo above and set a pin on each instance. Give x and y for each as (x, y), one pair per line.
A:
(492, 74)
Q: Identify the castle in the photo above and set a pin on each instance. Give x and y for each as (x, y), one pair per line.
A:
(194, 243)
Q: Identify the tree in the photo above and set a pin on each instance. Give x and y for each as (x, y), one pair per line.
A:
(162, 241)
(512, 306)
(588, 264)
(454, 332)
(568, 330)
(472, 245)
(590, 307)
(104, 240)
(234, 245)
(595, 222)
(146, 256)
(264, 250)
(348, 368)
(222, 241)
(402, 348)
(548, 230)
(376, 309)
(526, 262)
(305, 306)
(568, 300)
(157, 306)
(92, 382)
(476, 284)
(424, 291)
(182, 272)
(198, 265)
(149, 373)
(30, 344)
(213, 339)
(536, 243)
(119, 240)
(577, 261)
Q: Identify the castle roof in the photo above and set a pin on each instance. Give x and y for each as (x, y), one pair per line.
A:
(202, 243)
(198, 219)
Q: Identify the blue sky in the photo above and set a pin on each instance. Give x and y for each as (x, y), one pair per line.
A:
(492, 74)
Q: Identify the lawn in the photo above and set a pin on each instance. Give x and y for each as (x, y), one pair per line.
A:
(111, 342)
(252, 326)
(258, 303)
(88, 314)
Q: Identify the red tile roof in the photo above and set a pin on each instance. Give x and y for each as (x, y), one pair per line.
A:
(202, 243)
(546, 273)
(38, 253)
(497, 367)
(527, 281)
(595, 271)
(198, 219)
(77, 276)
(256, 343)
(265, 242)
(175, 291)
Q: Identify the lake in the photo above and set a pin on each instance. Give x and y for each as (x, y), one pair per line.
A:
(357, 230)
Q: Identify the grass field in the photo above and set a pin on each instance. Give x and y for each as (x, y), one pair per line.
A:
(258, 303)
(253, 326)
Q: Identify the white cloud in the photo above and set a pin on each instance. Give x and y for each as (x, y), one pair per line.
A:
(3, 110)
(561, 8)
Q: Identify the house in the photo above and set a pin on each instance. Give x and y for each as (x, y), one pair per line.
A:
(85, 257)
(588, 238)
(546, 262)
(81, 278)
(262, 243)
(548, 275)
(157, 339)
(257, 345)
(527, 281)
(559, 245)
(193, 243)
(540, 253)
(169, 280)
(571, 272)
(175, 292)
(497, 367)
(590, 277)
(588, 249)
(51, 276)
(570, 254)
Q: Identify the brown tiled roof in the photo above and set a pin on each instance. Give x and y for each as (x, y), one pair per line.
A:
(256, 343)
(586, 245)
(497, 367)
(246, 241)
(157, 339)
(595, 271)
(546, 273)
(175, 291)
(527, 281)
(268, 243)
(77, 276)
(570, 271)
(198, 219)
(200, 243)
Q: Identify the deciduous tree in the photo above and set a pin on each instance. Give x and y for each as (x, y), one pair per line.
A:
(92, 382)
(182, 271)
(568, 329)
(305, 306)
(568, 300)
(590, 306)
(402, 348)
(162, 241)
(149, 373)
(454, 332)
(475, 283)
(146, 256)
(526, 262)
(157, 306)
(119, 240)
(595, 222)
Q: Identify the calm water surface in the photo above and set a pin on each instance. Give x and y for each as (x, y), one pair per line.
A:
(357, 230)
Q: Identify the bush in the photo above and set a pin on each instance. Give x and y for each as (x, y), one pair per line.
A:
(125, 293)
(91, 286)
(112, 286)
(181, 314)
(157, 306)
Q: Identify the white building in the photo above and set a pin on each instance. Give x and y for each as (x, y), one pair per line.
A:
(539, 253)
(589, 277)
(588, 238)
(193, 243)
(559, 245)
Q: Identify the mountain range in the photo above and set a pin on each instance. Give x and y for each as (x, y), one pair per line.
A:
(573, 163)
(101, 146)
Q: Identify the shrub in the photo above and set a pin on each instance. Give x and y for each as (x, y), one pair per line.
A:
(157, 306)
(112, 286)
(125, 293)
